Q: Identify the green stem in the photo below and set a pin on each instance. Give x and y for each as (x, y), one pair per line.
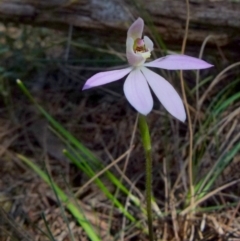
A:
(146, 140)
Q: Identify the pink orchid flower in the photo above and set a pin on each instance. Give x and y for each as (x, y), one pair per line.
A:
(136, 86)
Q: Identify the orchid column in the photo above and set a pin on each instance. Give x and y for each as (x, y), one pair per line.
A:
(137, 92)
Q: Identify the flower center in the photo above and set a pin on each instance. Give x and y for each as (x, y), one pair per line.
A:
(140, 48)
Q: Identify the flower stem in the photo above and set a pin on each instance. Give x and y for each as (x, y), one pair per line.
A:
(146, 140)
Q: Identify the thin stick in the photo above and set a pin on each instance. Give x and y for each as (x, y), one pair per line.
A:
(121, 178)
(186, 28)
(188, 209)
(166, 183)
(188, 112)
(80, 190)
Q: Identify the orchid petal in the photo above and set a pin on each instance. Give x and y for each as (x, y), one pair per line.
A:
(136, 29)
(134, 59)
(148, 43)
(178, 62)
(105, 77)
(137, 92)
(166, 94)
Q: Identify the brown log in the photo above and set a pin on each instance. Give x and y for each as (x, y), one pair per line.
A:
(220, 18)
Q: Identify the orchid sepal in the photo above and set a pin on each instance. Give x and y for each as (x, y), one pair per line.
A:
(178, 62)
(106, 77)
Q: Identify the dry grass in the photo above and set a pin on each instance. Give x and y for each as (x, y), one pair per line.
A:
(106, 128)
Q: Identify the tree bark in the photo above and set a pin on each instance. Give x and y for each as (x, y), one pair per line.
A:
(220, 18)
